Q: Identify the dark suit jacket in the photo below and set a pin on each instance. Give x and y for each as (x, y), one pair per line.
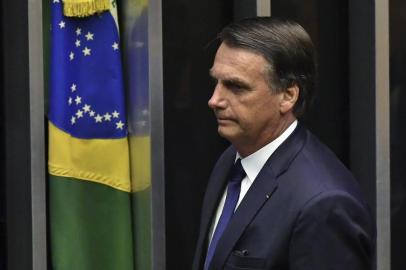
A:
(303, 211)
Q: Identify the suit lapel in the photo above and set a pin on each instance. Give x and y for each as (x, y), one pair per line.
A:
(262, 189)
(264, 186)
(214, 192)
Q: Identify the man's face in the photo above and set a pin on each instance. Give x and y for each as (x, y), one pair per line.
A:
(247, 111)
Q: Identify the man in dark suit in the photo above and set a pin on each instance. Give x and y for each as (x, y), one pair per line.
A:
(277, 198)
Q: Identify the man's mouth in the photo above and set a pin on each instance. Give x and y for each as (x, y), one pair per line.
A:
(223, 120)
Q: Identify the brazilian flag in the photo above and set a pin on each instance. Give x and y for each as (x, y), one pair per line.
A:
(89, 183)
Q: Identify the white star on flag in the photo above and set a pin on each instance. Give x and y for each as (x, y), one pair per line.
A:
(79, 114)
(86, 108)
(115, 114)
(119, 125)
(77, 43)
(78, 31)
(73, 120)
(73, 87)
(98, 118)
(62, 24)
(86, 51)
(115, 46)
(56, 1)
(91, 113)
(71, 56)
(70, 101)
(89, 36)
(78, 100)
(107, 117)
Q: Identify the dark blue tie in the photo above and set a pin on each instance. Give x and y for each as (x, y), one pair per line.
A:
(236, 175)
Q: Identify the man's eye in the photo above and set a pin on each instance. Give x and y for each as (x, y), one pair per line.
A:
(235, 87)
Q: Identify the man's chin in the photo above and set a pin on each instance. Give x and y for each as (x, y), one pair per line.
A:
(226, 132)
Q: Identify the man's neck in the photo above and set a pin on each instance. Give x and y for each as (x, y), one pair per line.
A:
(247, 149)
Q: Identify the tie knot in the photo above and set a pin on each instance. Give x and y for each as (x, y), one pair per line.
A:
(237, 172)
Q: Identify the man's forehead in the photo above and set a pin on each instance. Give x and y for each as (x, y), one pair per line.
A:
(237, 63)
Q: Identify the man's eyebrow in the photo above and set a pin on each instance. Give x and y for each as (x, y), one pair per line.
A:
(228, 79)
(236, 81)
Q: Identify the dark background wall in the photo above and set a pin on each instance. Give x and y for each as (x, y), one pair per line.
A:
(398, 131)
(15, 186)
(191, 141)
(2, 148)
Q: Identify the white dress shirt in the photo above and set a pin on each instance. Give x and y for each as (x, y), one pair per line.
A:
(252, 165)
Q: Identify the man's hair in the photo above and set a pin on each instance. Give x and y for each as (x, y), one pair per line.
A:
(286, 47)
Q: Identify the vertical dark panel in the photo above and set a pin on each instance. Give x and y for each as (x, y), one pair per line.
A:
(329, 117)
(191, 141)
(244, 9)
(398, 132)
(15, 91)
(362, 95)
(2, 165)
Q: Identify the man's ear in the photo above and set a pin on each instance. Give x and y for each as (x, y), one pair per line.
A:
(289, 98)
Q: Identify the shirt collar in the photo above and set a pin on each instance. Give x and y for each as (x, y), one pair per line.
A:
(253, 163)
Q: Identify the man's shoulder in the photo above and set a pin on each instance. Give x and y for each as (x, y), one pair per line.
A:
(319, 160)
(316, 170)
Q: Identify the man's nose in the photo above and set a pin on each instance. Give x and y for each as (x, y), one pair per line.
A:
(217, 100)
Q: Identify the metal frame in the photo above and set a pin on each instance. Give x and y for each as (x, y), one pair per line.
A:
(369, 104)
(382, 121)
(263, 7)
(157, 134)
(37, 136)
